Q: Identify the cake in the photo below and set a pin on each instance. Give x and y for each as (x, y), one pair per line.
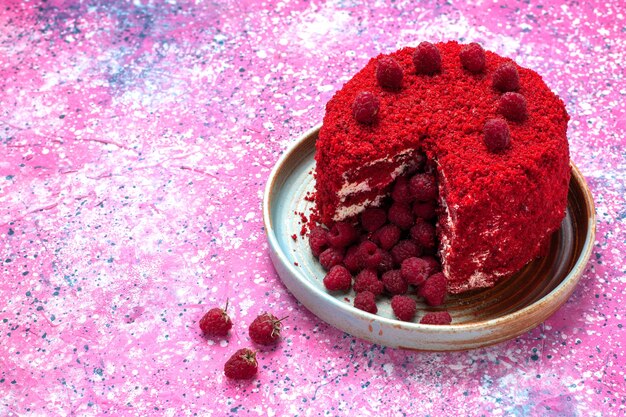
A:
(492, 134)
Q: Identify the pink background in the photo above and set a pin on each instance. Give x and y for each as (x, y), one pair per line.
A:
(136, 138)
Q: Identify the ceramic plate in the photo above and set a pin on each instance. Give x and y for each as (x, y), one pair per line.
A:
(479, 318)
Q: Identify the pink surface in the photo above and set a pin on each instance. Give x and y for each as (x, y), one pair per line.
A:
(135, 144)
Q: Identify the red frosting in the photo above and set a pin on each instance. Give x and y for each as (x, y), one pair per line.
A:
(503, 206)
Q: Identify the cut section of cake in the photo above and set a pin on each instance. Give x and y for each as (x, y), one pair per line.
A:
(492, 134)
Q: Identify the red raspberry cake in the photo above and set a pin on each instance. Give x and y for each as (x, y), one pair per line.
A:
(490, 133)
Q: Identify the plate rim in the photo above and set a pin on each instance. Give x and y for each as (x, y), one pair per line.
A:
(566, 286)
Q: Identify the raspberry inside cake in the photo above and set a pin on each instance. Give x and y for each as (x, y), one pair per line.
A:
(490, 133)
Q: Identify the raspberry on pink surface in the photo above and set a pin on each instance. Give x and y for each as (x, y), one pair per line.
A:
(389, 73)
(404, 307)
(265, 329)
(365, 107)
(438, 317)
(497, 135)
(394, 283)
(241, 365)
(434, 290)
(216, 322)
(366, 301)
(427, 59)
(338, 279)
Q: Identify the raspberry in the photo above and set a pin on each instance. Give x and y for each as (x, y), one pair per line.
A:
(427, 59)
(265, 329)
(338, 279)
(369, 254)
(433, 263)
(367, 280)
(473, 58)
(331, 257)
(351, 259)
(373, 218)
(401, 192)
(423, 187)
(506, 78)
(387, 236)
(216, 322)
(365, 107)
(366, 301)
(394, 283)
(425, 210)
(400, 215)
(386, 263)
(423, 233)
(439, 317)
(242, 365)
(318, 240)
(415, 271)
(434, 289)
(342, 234)
(513, 107)
(403, 307)
(389, 73)
(405, 249)
(497, 135)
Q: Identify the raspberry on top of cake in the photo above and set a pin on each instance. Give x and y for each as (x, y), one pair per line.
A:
(491, 133)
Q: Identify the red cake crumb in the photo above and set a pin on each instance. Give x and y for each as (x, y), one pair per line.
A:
(365, 107)
(427, 59)
(438, 317)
